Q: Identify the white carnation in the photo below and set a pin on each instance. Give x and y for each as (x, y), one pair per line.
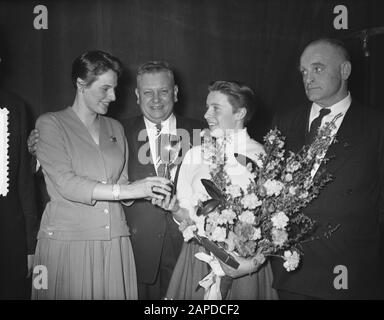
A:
(226, 216)
(292, 260)
(304, 195)
(271, 138)
(273, 187)
(247, 217)
(234, 191)
(251, 201)
(219, 234)
(280, 220)
(259, 162)
(279, 237)
(292, 190)
(189, 232)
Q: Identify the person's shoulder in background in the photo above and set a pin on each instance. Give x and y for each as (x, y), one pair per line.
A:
(11, 100)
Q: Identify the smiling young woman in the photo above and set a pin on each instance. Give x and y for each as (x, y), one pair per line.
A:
(83, 239)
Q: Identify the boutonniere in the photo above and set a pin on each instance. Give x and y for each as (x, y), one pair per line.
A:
(113, 138)
(4, 151)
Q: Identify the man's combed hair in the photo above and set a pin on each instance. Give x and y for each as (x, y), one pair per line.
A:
(155, 67)
(239, 95)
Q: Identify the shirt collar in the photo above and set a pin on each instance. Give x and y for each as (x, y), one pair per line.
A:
(166, 125)
(234, 134)
(339, 107)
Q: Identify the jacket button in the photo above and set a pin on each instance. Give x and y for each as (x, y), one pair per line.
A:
(50, 233)
(349, 191)
(106, 211)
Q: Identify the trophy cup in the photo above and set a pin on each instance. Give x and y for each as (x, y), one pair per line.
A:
(169, 149)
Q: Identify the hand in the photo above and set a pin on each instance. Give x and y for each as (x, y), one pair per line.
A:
(172, 205)
(247, 266)
(153, 187)
(168, 203)
(30, 259)
(32, 141)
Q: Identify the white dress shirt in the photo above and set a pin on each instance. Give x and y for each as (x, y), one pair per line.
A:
(167, 127)
(338, 109)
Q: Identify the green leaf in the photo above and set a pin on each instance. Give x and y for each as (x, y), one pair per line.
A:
(207, 207)
(213, 191)
(244, 161)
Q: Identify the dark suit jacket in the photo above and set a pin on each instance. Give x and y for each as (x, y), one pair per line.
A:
(148, 223)
(18, 216)
(352, 200)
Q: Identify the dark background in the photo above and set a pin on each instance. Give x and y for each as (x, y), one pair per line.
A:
(258, 42)
(254, 41)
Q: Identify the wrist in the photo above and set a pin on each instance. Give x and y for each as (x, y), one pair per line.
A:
(176, 208)
(116, 192)
(127, 192)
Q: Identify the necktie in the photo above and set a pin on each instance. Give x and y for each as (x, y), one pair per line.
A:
(160, 166)
(315, 125)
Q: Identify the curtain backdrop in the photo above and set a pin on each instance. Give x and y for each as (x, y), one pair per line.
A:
(254, 41)
(258, 42)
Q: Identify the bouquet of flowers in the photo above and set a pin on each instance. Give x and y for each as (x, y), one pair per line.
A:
(265, 218)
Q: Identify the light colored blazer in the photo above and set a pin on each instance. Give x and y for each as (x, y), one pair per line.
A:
(72, 165)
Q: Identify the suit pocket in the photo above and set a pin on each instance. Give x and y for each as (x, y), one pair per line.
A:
(64, 215)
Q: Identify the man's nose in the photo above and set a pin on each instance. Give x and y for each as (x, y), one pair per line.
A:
(156, 97)
(308, 79)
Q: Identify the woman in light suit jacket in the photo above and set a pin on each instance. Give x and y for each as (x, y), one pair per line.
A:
(83, 239)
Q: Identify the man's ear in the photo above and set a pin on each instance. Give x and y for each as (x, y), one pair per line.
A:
(137, 95)
(175, 91)
(346, 69)
(81, 84)
(241, 113)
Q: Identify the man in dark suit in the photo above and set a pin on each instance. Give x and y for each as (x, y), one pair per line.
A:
(345, 266)
(18, 214)
(155, 237)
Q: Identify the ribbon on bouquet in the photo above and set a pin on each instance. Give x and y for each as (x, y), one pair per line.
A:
(211, 283)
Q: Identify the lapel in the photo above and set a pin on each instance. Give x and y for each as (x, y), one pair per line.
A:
(106, 134)
(139, 125)
(347, 139)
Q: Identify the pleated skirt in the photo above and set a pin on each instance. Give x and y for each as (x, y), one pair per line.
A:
(85, 270)
(184, 284)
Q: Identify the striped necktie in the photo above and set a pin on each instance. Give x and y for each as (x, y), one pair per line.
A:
(160, 166)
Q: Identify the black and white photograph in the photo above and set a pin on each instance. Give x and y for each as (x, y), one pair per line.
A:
(207, 151)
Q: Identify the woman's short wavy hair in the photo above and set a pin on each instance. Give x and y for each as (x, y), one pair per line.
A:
(91, 64)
